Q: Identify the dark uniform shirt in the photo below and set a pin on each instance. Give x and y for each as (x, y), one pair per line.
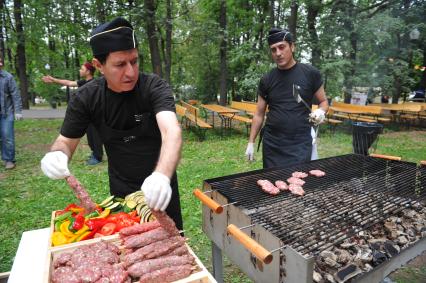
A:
(120, 108)
(276, 87)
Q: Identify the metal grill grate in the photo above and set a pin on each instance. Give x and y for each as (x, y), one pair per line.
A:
(356, 193)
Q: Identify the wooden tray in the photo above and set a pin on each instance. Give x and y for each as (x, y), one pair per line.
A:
(201, 275)
(76, 244)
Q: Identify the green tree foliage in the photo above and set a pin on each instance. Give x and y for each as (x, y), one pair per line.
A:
(351, 42)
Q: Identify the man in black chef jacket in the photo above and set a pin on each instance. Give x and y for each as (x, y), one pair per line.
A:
(135, 116)
(287, 136)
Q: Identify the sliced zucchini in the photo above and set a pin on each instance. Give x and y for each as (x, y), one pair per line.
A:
(114, 206)
(131, 204)
(106, 201)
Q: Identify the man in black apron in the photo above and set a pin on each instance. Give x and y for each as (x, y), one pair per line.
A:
(286, 135)
(135, 115)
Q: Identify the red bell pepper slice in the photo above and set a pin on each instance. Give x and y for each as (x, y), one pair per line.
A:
(79, 221)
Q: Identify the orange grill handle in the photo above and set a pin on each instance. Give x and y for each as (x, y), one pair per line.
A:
(423, 162)
(390, 157)
(254, 247)
(217, 208)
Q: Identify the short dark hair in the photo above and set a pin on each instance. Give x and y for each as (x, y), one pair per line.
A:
(102, 58)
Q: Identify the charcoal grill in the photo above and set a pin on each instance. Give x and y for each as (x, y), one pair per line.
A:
(276, 238)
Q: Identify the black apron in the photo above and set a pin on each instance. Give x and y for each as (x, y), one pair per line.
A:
(283, 149)
(133, 154)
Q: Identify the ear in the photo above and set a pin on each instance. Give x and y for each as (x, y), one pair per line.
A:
(97, 65)
(293, 47)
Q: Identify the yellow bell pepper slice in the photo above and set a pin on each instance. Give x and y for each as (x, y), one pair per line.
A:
(82, 236)
(82, 230)
(104, 213)
(64, 229)
(58, 239)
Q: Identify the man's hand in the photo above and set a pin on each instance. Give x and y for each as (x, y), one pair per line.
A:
(317, 116)
(18, 116)
(55, 165)
(157, 191)
(47, 79)
(250, 151)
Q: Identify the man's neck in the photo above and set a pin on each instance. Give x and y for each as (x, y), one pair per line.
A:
(88, 78)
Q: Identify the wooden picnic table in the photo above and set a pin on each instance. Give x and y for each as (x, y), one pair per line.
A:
(225, 114)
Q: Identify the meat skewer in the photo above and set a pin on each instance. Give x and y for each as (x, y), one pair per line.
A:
(317, 173)
(299, 175)
(140, 268)
(268, 187)
(166, 222)
(168, 274)
(296, 189)
(146, 238)
(296, 181)
(139, 228)
(81, 193)
(281, 185)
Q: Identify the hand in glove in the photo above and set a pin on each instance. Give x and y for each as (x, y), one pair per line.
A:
(55, 165)
(317, 116)
(157, 191)
(18, 116)
(250, 151)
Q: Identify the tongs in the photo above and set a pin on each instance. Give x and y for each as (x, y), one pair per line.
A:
(299, 99)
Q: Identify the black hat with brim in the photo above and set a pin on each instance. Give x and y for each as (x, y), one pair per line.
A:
(116, 35)
(276, 35)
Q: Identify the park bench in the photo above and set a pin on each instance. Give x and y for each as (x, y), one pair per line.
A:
(192, 116)
(358, 113)
(247, 109)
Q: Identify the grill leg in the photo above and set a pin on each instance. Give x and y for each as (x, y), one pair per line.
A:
(217, 263)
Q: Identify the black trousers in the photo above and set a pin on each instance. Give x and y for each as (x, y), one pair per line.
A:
(95, 142)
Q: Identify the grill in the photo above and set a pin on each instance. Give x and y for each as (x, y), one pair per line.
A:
(357, 193)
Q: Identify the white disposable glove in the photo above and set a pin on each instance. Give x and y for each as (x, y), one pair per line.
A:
(55, 165)
(157, 191)
(314, 153)
(18, 116)
(250, 151)
(317, 116)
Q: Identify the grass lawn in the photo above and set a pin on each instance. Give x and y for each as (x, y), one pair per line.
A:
(28, 197)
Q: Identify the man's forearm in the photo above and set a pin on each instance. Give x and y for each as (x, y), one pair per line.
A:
(255, 127)
(66, 145)
(170, 151)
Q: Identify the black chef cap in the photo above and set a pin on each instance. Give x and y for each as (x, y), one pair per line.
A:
(116, 35)
(276, 35)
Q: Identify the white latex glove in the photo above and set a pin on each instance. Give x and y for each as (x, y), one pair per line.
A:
(314, 153)
(55, 165)
(250, 151)
(317, 116)
(18, 116)
(157, 191)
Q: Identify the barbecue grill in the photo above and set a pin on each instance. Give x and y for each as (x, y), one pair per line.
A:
(276, 238)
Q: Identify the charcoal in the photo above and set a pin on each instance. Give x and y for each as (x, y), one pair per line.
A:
(391, 249)
(378, 258)
(347, 273)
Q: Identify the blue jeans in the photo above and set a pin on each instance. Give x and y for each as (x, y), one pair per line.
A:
(7, 137)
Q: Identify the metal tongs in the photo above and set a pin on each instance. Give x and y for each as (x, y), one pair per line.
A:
(299, 99)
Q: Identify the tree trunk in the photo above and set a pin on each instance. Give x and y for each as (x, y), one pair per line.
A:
(313, 10)
(2, 24)
(169, 28)
(223, 46)
(292, 20)
(271, 13)
(423, 80)
(153, 37)
(20, 52)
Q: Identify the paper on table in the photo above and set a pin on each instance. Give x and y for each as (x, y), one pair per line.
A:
(30, 259)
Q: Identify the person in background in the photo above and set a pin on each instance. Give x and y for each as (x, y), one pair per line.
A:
(87, 72)
(10, 109)
(287, 132)
(135, 115)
